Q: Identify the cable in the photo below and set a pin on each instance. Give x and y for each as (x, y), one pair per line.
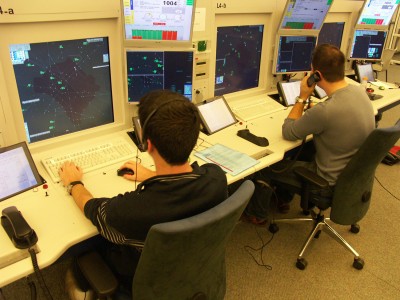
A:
(136, 173)
(32, 287)
(1, 295)
(292, 162)
(263, 244)
(386, 189)
(39, 274)
(261, 249)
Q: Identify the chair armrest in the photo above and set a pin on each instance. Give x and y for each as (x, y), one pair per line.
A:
(98, 274)
(311, 177)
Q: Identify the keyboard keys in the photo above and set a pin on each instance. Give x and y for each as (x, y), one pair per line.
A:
(91, 158)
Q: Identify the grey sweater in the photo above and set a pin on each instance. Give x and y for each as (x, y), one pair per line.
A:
(339, 126)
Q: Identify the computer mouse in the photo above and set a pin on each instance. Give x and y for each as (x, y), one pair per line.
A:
(123, 171)
(370, 90)
(381, 87)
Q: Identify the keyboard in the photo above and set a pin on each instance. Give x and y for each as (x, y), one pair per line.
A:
(91, 158)
(258, 109)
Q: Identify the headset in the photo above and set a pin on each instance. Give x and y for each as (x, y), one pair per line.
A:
(143, 141)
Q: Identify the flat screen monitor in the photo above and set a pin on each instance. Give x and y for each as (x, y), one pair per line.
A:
(367, 44)
(377, 12)
(149, 70)
(64, 86)
(294, 54)
(158, 22)
(305, 14)
(238, 58)
(331, 33)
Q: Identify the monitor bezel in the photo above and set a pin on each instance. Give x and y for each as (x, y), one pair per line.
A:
(351, 46)
(276, 50)
(163, 49)
(288, 31)
(137, 43)
(40, 33)
(372, 26)
(252, 19)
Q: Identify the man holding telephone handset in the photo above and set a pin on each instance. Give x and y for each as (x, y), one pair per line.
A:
(339, 126)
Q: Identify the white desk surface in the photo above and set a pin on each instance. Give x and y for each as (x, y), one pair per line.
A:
(60, 224)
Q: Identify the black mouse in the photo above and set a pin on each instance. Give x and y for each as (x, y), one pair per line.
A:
(123, 171)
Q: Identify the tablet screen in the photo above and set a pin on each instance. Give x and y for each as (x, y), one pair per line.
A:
(215, 114)
(18, 172)
(289, 91)
(365, 71)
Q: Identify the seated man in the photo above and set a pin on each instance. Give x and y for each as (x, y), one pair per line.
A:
(176, 190)
(339, 126)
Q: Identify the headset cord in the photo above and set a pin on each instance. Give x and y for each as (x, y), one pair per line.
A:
(32, 287)
(292, 162)
(39, 276)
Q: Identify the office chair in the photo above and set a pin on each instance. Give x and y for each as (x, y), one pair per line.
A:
(351, 196)
(383, 65)
(183, 259)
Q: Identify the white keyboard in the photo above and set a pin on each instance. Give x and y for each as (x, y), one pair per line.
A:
(252, 111)
(92, 158)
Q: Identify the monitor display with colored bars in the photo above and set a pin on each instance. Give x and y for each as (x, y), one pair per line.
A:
(305, 14)
(378, 12)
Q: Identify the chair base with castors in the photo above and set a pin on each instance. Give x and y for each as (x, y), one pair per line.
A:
(320, 223)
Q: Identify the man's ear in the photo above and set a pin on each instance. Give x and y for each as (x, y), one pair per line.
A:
(150, 146)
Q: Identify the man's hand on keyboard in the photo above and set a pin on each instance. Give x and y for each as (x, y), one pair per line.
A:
(141, 173)
(69, 172)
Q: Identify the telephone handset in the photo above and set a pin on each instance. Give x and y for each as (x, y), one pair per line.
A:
(17, 229)
(314, 78)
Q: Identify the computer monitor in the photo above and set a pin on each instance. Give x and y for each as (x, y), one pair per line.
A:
(238, 58)
(62, 83)
(152, 22)
(377, 13)
(331, 33)
(149, 70)
(64, 86)
(367, 44)
(305, 14)
(293, 54)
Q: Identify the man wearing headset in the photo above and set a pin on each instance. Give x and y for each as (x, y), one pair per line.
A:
(175, 190)
(339, 126)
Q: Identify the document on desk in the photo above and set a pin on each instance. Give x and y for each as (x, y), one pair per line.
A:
(385, 85)
(231, 161)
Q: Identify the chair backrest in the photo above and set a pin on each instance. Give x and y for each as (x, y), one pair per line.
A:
(353, 189)
(186, 257)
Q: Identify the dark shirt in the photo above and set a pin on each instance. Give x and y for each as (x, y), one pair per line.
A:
(127, 218)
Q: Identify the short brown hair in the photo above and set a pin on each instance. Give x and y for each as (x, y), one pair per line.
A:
(172, 124)
(330, 61)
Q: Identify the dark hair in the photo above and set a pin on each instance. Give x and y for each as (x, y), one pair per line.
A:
(172, 124)
(330, 61)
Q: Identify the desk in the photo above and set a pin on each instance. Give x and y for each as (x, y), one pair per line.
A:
(60, 224)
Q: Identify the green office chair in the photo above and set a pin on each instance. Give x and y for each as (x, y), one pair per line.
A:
(351, 196)
(183, 259)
